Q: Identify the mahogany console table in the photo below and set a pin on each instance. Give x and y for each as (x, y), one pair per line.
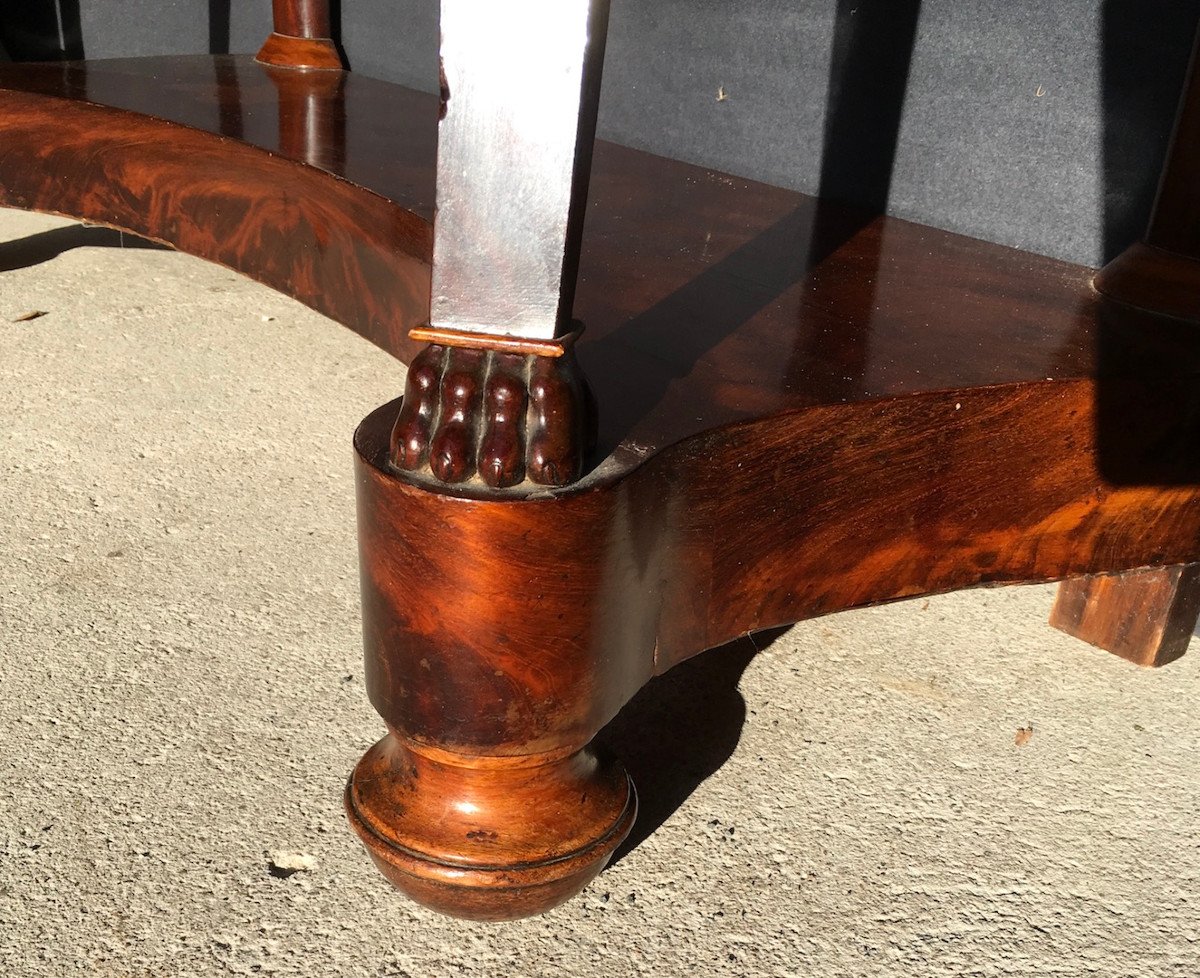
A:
(800, 408)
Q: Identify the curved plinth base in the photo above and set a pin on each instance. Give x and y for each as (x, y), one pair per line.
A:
(488, 838)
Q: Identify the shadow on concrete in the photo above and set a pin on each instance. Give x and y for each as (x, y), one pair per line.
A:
(680, 729)
(47, 245)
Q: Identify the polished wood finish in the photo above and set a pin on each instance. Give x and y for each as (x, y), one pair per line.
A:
(801, 409)
(488, 838)
(235, 162)
(1152, 278)
(1148, 616)
(285, 51)
(853, 308)
(746, 527)
(1145, 616)
(311, 125)
(302, 18)
(303, 37)
(745, 265)
(502, 420)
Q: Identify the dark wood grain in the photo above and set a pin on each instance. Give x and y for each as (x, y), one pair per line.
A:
(743, 528)
(1146, 616)
(349, 253)
(285, 51)
(563, 606)
(686, 275)
(388, 133)
(489, 838)
(796, 415)
(302, 18)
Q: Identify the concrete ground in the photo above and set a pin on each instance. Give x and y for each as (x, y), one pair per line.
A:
(181, 696)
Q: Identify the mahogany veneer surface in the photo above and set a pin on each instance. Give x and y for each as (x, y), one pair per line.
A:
(708, 300)
(802, 409)
(686, 277)
(390, 150)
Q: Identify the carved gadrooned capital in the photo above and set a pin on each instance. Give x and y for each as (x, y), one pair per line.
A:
(500, 420)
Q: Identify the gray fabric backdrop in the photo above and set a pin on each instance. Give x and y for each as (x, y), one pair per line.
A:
(1037, 124)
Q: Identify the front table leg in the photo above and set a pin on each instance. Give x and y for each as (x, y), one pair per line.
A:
(495, 651)
(497, 643)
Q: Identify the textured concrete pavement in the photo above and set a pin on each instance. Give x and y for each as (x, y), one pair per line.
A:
(181, 696)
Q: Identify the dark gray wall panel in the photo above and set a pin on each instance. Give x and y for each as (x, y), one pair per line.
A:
(137, 27)
(393, 39)
(1041, 125)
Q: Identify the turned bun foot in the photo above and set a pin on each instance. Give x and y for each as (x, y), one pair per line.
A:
(488, 838)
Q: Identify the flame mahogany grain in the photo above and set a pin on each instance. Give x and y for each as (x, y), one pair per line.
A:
(353, 255)
(801, 409)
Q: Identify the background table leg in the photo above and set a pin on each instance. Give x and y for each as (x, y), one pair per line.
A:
(1145, 616)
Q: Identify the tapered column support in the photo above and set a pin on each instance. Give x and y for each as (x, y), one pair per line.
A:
(499, 639)
(302, 38)
(497, 399)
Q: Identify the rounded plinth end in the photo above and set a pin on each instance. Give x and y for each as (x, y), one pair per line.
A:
(488, 838)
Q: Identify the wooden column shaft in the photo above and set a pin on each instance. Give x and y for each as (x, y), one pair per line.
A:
(302, 37)
(302, 18)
